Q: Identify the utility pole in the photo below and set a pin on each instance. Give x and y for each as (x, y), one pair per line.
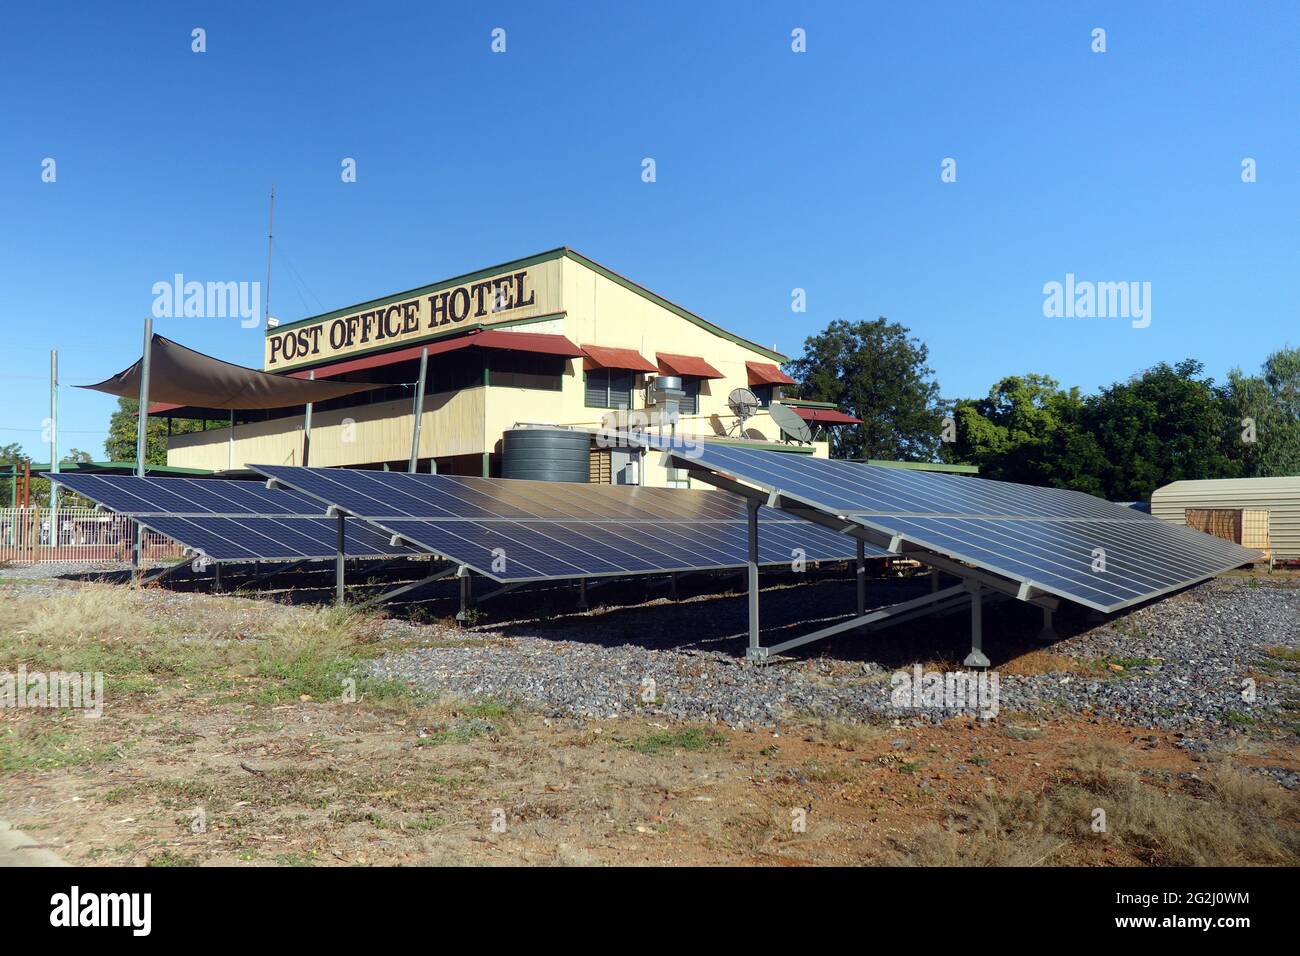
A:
(54, 448)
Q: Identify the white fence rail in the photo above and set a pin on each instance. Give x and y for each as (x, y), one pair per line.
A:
(27, 536)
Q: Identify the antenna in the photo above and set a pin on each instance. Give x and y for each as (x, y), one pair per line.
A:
(270, 228)
(743, 404)
(791, 424)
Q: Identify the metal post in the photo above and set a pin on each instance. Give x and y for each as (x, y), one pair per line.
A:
(1047, 633)
(338, 560)
(142, 426)
(755, 651)
(672, 590)
(862, 577)
(54, 449)
(419, 410)
(934, 580)
(142, 418)
(216, 578)
(976, 656)
(306, 425)
(466, 594)
(230, 443)
(582, 595)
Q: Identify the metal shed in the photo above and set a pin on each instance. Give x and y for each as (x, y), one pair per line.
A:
(1261, 513)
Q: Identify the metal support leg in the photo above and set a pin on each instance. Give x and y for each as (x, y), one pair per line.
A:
(934, 580)
(466, 595)
(672, 587)
(862, 578)
(1048, 633)
(976, 656)
(756, 652)
(216, 577)
(339, 560)
(582, 595)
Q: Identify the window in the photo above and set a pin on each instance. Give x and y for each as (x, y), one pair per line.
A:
(526, 370)
(609, 388)
(764, 394)
(690, 403)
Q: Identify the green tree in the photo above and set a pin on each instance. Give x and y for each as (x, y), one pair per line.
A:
(120, 443)
(1027, 430)
(877, 372)
(1165, 424)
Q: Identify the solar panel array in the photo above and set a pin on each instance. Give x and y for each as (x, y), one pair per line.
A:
(514, 530)
(1067, 543)
(232, 520)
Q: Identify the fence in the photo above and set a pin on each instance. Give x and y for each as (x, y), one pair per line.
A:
(26, 537)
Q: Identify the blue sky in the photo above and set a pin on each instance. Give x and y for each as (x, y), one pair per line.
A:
(775, 170)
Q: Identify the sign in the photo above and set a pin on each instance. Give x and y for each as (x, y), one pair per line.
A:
(431, 313)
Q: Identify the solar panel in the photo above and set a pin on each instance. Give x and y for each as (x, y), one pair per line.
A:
(232, 520)
(1066, 543)
(514, 530)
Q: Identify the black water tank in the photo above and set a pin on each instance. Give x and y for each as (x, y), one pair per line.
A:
(546, 454)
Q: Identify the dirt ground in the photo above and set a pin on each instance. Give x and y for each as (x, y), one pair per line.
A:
(223, 761)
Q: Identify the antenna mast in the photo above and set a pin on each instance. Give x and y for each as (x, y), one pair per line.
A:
(270, 228)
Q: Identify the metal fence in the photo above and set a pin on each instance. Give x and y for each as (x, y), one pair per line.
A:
(27, 536)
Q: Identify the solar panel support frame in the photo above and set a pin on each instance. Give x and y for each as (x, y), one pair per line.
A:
(972, 580)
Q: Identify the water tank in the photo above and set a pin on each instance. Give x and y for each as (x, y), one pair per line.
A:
(546, 454)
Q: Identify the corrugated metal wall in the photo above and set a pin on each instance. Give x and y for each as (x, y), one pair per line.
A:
(1280, 497)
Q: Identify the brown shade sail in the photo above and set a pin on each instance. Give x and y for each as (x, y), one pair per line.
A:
(184, 377)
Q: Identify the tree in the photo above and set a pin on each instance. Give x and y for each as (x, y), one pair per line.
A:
(1165, 424)
(1267, 409)
(876, 372)
(1027, 430)
(120, 443)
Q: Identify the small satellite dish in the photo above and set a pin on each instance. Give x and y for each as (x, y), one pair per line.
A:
(791, 424)
(743, 404)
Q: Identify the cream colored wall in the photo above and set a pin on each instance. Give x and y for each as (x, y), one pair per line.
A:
(452, 424)
(599, 311)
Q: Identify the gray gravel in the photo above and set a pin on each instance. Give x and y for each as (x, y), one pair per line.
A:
(1179, 664)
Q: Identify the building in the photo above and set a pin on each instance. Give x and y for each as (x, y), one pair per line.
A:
(1261, 513)
(554, 339)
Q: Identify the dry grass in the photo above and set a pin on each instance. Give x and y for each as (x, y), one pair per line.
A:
(1044, 662)
(1231, 818)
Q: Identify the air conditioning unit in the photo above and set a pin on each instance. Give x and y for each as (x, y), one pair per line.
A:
(664, 389)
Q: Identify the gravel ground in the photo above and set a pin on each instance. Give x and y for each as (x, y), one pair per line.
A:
(1179, 664)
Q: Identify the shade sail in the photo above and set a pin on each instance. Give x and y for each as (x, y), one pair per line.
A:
(761, 373)
(539, 343)
(601, 356)
(185, 378)
(689, 365)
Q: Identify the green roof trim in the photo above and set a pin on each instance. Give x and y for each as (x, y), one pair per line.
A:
(672, 307)
(761, 445)
(562, 251)
(922, 466)
(805, 403)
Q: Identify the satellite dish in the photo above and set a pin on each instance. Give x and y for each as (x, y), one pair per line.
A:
(743, 404)
(791, 424)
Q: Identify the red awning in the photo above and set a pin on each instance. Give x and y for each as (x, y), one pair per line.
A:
(599, 356)
(691, 365)
(540, 343)
(824, 416)
(760, 373)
